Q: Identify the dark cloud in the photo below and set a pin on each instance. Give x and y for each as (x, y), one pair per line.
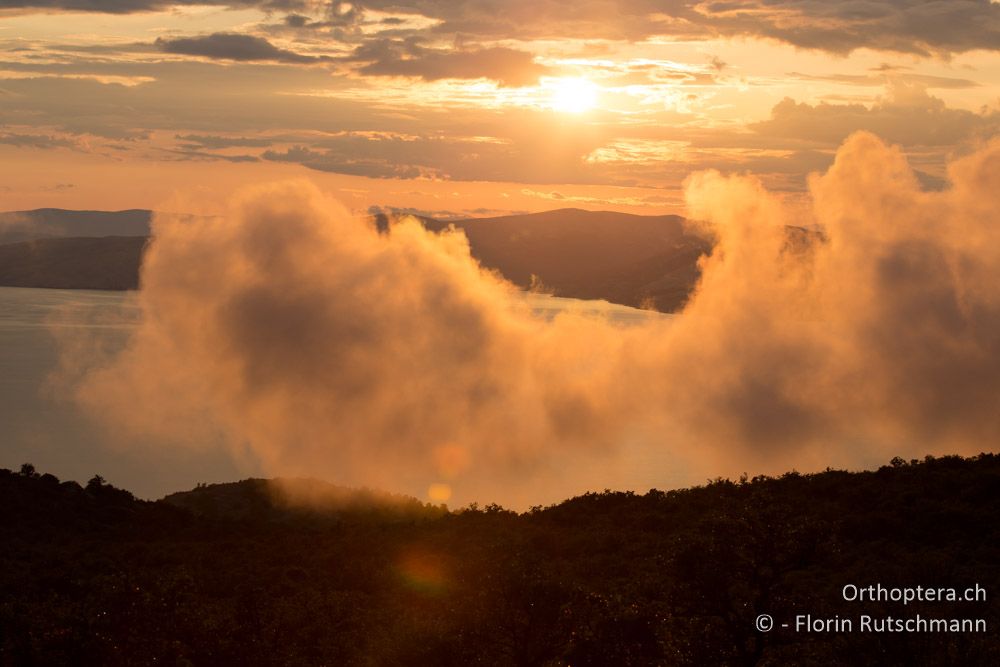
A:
(907, 26)
(232, 46)
(508, 67)
(215, 141)
(133, 6)
(345, 163)
(891, 78)
(395, 213)
(908, 115)
(205, 156)
(534, 19)
(297, 21)
(36, 141)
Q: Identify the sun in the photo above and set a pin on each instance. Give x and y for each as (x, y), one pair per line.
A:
(573, 95)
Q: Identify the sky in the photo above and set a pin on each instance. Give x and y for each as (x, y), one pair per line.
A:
(462, 108)
(284, 329)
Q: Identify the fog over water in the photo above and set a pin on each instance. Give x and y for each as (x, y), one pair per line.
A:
(43, 426)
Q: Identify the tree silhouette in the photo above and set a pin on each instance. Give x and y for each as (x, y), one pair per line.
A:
(223, 575)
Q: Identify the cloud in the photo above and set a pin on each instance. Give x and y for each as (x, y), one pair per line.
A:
(203, 156)
(36, 141)
(57, 187)
(891, 78)
(216, 142)
(133, 6)
(886, 333)
(544, 19)
(341, 163)
(316, 312)
(907, 26)
(907, 115)
(610, 202)
(509, 67)
(233, 46)
(242, 97)
(462, 158)
(386, 213)
(305, 338)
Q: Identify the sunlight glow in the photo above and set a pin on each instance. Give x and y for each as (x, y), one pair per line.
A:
(439, 493)
(574, 95)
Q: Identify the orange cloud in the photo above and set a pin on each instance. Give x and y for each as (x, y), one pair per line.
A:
(302, 336)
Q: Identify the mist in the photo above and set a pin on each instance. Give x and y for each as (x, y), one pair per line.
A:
(305, 341)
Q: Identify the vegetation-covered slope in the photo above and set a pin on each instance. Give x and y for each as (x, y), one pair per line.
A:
(105, 263)
(633, 260)
(93, 576)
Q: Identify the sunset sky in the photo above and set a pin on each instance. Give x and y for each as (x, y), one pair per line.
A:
(477, 107)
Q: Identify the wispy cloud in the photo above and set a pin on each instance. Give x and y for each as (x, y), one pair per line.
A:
(232, 46)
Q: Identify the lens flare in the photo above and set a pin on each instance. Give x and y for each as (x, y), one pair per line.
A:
(439, 493)
(422, 571)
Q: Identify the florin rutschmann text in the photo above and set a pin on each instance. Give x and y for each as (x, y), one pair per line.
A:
(895, 622)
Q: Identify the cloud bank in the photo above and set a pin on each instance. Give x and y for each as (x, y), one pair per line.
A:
(508, 67)
(305, 339)
(232, 46)
(907, 115)
(918, 27)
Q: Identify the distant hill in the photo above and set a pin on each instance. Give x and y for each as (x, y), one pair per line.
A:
(634, 260)
(100, 263)
(90, 575)
(56, 222)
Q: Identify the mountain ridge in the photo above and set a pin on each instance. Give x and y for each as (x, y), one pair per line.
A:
(92, 575)
(17, 226)
(628, 259)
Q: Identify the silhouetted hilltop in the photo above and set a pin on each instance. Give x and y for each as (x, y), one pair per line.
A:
(91, 575)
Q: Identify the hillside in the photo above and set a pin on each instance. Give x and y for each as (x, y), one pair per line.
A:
(627, 259)
(91, 575)
(98, 263)
(633, 260)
